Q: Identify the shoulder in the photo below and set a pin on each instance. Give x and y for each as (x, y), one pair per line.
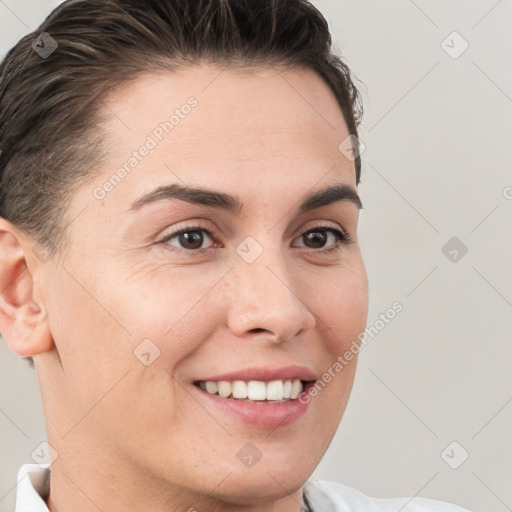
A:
(324, 496)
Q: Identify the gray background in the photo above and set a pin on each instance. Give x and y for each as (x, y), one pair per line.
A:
(437, 166)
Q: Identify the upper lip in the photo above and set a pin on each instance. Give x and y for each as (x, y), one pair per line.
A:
(265, 374)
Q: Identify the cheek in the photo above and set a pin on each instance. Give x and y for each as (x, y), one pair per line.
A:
(173, 309)
(344, 307)
(94, 347)
(99, 317)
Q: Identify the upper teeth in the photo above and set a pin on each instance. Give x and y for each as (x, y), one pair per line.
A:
(254, 389)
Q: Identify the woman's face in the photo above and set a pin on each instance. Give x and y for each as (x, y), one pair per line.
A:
(255, 288)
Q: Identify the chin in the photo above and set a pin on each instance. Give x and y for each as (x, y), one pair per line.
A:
(266, 481)
(246, 489)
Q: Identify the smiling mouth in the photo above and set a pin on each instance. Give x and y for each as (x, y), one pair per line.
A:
(256, 391)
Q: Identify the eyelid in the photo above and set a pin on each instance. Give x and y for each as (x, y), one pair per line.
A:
(327, 225)
(191, 225)
(322, 225)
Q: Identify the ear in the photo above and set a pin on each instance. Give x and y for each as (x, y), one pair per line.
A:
(23, 319)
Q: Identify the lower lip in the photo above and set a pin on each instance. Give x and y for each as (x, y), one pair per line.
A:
(261, 414)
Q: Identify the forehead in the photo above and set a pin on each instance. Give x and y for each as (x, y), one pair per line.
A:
(254, 88)
(228, 127)
(239, 105)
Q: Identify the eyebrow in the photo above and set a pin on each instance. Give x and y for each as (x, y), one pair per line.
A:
(232, 204)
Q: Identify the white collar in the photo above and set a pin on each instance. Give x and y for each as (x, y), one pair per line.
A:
(32, 487)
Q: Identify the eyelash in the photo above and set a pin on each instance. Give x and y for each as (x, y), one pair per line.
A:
(343, 239)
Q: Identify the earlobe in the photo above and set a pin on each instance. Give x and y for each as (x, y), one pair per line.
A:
(23, 320)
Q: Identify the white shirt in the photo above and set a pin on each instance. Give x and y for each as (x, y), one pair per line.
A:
(320, 496)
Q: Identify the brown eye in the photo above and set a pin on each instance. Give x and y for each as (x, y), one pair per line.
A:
(318, 238)
(189, 239)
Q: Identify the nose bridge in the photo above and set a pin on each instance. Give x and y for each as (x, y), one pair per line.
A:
(264, 293)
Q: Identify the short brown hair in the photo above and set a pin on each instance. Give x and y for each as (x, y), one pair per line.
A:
(50, 107)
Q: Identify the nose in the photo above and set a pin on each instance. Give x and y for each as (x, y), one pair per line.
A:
(265, 299)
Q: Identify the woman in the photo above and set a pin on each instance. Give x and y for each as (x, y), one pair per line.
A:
(178, 243)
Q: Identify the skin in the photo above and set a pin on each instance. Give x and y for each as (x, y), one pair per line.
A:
(129, 436)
